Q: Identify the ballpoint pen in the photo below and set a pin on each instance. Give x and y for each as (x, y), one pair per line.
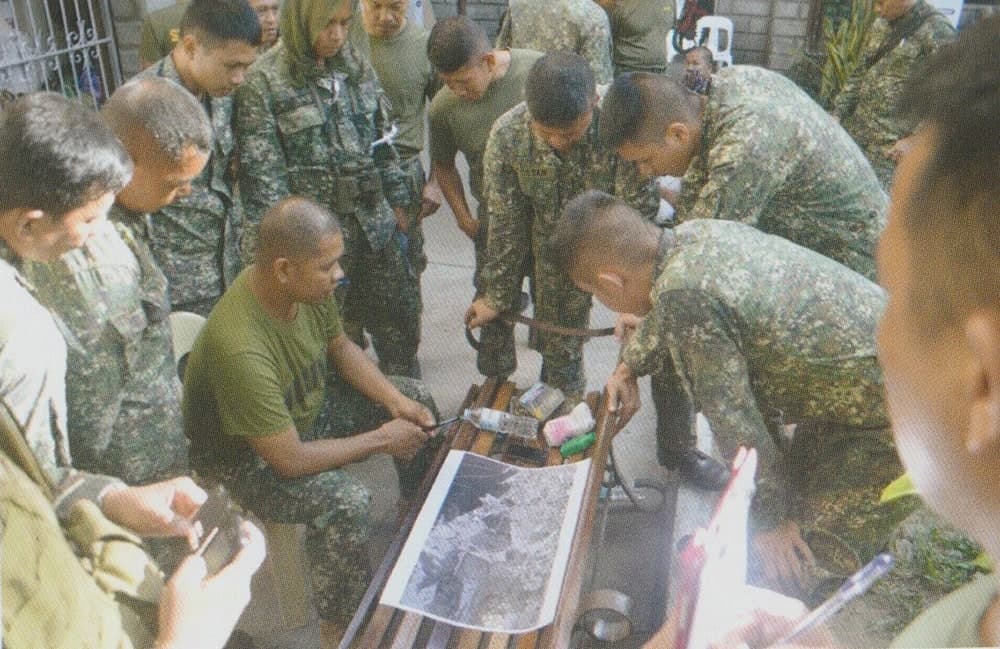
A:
(855, 585)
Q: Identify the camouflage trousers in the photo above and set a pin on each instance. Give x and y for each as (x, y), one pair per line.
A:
(837, 476)
(558, 302)
(133, 451)
(334, 506)
(384, 296)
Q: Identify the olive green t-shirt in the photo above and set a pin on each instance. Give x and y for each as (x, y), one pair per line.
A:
(459, 125)
(160, 32)
(639, 34)
(250, 375)
(408, 79)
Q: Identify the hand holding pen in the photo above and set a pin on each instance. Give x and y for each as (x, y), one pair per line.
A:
(855, 585)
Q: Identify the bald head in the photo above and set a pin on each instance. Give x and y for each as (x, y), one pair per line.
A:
(294, 228)
(639, 106)
(597, 226)
(161, 113)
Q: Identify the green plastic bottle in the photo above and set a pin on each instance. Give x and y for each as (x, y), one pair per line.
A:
(577, 444)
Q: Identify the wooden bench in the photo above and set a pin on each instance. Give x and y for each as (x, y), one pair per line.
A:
(377, 626)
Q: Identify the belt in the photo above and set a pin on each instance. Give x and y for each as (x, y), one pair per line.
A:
(547, 327)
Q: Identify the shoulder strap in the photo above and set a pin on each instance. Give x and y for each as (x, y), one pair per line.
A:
(903, 29)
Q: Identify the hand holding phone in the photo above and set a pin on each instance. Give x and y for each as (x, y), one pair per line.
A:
(218, 526)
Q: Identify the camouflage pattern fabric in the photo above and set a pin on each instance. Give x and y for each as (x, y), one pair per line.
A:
(772, 158)
(32, 369)
(121, 382)
(334, 506)
(313, 138)
(526, 186)
(161, 30)
(866, 106)
(578, 26)
(759, 332)
(195, 240)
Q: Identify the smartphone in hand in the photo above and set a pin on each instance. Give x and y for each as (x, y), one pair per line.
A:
(218, 524)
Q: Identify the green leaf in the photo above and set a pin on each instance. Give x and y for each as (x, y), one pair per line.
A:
(984, 562)
(901, 486)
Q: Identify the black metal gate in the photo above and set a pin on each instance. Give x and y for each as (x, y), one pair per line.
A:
(65, 46)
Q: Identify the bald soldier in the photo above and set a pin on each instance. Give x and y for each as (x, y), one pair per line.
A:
(756, 149)
(758, 332)
(277, 399)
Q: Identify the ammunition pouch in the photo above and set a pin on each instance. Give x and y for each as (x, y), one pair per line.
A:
(362, 190)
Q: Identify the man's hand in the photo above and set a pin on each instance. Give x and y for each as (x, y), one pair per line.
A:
(626, 325)
(469, 226)
(403, 439)
(402, 220)
(161, 509)
(198, 611)
(431, 200)
(783, 555)
(412, 411)
(623, 394)
(480, 313)
(762, 616)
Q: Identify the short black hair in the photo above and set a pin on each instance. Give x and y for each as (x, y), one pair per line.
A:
(703, 52)
(216, 22)
(293, 228)
(596, 224)
(640, 105)
(57, 155)
(560, 88)
(454, 42)
(953, 222)
(164, 111)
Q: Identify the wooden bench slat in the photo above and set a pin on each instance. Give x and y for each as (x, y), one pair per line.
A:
(407, 631)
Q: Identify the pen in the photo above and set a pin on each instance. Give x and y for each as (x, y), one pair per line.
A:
(855, 585)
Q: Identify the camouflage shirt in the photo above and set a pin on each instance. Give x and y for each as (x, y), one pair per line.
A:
(772, 158)
(121, 385)
(195, 239)
(579, 26)
(527, 184)
(314, 139)
(760, 329)
(32, 369)
(866, 106)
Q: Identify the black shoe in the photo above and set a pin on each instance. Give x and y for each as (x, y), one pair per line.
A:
(700, 470)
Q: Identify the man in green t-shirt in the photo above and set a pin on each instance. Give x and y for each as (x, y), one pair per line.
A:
(268, 418)
(481, 84)
(639, 33)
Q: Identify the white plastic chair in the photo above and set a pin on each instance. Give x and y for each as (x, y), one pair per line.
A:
(719, 38)
(952, 9)
(716, 32)
(184, 329)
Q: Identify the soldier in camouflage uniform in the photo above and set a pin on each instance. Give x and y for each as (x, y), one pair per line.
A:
(759, 333)
(540, 154)
(307, 123)
(390, 37)
(757, 150)
(579, 26)
(195, 240)
(898, 43)
(278, 399)
(123, 391)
